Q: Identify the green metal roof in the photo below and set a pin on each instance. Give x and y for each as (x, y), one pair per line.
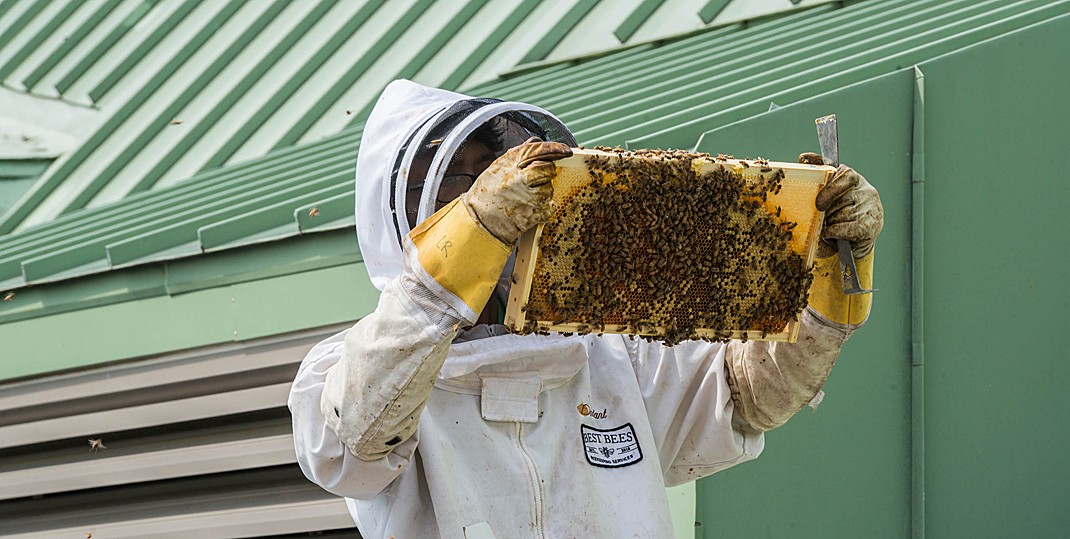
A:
(654, 95)
(181, 87)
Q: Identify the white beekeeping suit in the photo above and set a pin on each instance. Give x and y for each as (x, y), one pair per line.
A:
(429, 434)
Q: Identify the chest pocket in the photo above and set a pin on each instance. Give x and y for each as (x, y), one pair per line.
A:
(512, 397)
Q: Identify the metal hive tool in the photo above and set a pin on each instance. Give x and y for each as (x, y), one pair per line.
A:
(670, 246)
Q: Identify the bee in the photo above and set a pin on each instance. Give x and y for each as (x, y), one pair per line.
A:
(313, 212)
(96, 444)
(744, 164)
(9, 296)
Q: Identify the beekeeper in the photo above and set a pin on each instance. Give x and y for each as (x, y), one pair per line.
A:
(431, 424)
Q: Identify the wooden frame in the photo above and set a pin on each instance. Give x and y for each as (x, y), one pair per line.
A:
(796, 201)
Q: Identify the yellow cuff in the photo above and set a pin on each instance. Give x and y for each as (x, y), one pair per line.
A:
(826, 292)
(460, 254)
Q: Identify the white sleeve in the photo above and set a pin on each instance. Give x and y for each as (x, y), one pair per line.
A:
(323, 458)
(358, 396)
(709, 404)
(690, 408)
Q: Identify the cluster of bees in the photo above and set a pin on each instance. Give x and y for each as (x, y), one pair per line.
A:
(653, 247)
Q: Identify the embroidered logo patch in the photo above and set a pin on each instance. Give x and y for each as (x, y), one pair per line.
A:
(611, 448)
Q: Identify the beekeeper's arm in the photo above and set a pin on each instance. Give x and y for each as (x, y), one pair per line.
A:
(357, 399)
(772, 381)
(709, 405)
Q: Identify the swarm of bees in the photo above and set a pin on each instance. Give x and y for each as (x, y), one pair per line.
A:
(657, 249)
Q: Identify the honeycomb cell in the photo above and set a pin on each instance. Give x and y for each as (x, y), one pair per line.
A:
(672, 246)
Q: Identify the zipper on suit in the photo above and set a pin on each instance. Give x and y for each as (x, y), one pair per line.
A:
(533, 475)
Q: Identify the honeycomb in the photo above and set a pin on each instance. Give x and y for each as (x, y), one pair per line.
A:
(670, 246)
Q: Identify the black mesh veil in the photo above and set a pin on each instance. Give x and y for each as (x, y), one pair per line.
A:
(488, 121)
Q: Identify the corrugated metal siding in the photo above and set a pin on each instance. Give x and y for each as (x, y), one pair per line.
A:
(186, 86)
(196, 444)
(666, 95)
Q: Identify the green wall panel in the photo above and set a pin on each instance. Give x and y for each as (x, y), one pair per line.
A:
(843, 471)
(997, 294)
(161, 324)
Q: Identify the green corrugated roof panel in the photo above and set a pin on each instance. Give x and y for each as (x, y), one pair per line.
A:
(95, 46)
(679, 97)
(552, 38)
(631, 23)
(185, 86)
(583, 91)
(50, 22)
(16, 176)
(963, 28)
(698, 82)
(711, 10)
(18, 25)
(85, 24)
(152, 227)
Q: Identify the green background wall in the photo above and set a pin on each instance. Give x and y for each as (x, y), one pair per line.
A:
(994, 237)
(996, 287)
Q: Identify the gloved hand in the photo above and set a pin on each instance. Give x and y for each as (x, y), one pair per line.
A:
(852, 209)
(515, 191)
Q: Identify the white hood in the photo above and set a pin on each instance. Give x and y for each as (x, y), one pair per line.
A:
(405, 115)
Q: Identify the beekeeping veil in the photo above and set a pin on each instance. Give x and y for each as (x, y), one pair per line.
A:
(410, 137)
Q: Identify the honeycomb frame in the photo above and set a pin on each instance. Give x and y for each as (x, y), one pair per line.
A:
(792, 202)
